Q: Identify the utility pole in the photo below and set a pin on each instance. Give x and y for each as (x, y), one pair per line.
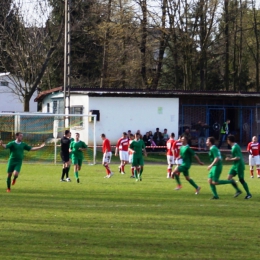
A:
(67, 58)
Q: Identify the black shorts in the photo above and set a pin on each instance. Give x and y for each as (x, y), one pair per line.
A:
(65, 157)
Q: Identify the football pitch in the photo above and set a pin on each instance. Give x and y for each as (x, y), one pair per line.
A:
(119, 218)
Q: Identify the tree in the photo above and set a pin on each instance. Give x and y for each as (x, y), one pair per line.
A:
(26, 48)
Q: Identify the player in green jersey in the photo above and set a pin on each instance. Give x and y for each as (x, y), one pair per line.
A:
(14, 165)
(215, 168)
(76, 148)
(186, 153)
(137, 148)
(238, 167)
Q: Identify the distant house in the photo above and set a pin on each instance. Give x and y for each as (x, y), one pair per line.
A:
(10, 101)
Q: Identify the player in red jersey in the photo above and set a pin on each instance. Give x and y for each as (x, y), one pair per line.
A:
(122, 147)
(170, 154)
(107, 154)
(253, 149)
(178, 160)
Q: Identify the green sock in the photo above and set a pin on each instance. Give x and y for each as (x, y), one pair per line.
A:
(141, 171)
(15, 177)
(246, 188)
(222, 182)
(177, 178)
(191, 181)
(135, 173)
(8, 181)
(233, 183)
(76, 175)
(214, 190)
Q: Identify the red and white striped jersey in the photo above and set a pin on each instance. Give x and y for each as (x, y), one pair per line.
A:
(169, 146)
(253, 148)
(122, 144)
(177, 146)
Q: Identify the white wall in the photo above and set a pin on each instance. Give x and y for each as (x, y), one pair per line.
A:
(10, 102)
(120, 114)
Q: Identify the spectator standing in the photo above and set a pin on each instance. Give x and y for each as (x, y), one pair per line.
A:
(224, 132)
(165, 136)
(187, 135)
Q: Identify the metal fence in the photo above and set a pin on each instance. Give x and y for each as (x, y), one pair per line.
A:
(244, 120)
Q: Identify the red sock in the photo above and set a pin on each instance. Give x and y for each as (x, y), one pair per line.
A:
(123, 168)
(258, 171)
(132, 170)
(252, 172)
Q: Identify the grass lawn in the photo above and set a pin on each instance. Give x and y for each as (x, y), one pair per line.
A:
(119, 218)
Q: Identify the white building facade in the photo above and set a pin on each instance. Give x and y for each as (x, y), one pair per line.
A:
(118, 112)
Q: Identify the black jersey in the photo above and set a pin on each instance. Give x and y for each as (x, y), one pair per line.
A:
(65, 145)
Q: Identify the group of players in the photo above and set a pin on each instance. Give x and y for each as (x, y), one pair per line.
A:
(131, 150)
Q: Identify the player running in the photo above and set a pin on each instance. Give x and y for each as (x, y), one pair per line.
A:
(215, 168)
(65, 155)
(238, 167)
(186, 153)
(15, 161)
(76, 148)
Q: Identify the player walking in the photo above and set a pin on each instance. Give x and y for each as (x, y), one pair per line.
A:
(132, 137)
(65, 155)
(137, 147)
(122, 147)
(238, 166)
(170, 154)
(76, 148)
(186, 154)
(15, 161)
(107, 154)
(253, 149)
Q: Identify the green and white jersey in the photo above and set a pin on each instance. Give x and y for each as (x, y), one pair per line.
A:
(236, 152)
(137, 146)
(76, 153)
(215, 153)
(17, 150)
(186, 154)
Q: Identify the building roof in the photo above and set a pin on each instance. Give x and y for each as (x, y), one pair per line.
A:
(146, 93)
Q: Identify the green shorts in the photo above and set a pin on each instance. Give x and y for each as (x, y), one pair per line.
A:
(214, 173)
(240, 172)
(14, 166)
(138, 161)
(76, 161)
(184, 169)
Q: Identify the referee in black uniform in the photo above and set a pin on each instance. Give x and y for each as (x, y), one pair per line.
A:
(65, 155)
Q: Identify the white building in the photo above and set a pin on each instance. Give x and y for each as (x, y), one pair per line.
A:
(119, 111)
(10, 101)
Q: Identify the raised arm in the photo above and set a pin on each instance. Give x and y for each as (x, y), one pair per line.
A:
(1, 144)
(38, 147)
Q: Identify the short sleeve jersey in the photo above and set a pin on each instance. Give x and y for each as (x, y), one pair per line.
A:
(177, 146)
(215, 153)
(138, 146)
(253, 148)
(186, 154)
(106, 146)
(74, 146)
(169, 145)
(236, 152)
(17, 150)
(122, 144)
(65, 145)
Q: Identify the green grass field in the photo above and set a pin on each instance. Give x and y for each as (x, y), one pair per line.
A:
(119, 218)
